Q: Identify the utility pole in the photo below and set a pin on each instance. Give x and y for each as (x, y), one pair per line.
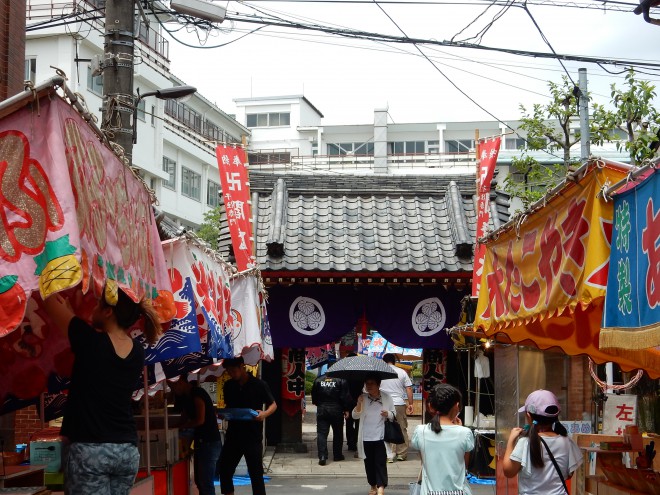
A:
(585, 138)
(117, 66)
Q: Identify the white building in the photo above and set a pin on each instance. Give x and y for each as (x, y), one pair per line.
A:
(287, 134)
(175, 149)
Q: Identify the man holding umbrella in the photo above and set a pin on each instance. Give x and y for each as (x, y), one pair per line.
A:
(332, 399)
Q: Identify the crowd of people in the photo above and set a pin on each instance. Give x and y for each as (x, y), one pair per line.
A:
(101, 455)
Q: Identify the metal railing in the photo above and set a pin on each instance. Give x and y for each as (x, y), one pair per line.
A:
(92, 11)
(430, 162)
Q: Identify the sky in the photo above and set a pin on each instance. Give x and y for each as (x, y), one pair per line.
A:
(347, 79)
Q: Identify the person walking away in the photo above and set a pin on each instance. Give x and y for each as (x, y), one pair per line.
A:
(444, 444)
(400, 389)
(373, 408)
(199, 413)
(527, 448)
(100, 453)
(332, 401)
(244, 438)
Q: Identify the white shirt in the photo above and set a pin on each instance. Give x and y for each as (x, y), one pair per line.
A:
(546, 481)
(396, 387)
(372, 424)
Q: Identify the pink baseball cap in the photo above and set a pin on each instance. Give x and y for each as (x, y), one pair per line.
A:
(541, 403)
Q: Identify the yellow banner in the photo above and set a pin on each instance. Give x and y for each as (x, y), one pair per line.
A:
(556, 259)
(546, 279)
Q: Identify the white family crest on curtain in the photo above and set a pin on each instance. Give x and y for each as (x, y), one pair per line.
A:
(306, 316)
(429, 317)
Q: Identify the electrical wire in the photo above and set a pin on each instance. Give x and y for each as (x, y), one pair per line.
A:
(454, 84)
(547, 42)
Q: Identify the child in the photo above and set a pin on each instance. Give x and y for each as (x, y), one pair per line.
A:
(527, 449)
(444, 442)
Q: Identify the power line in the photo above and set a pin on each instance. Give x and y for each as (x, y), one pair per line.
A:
(602, 5)
(365, 35)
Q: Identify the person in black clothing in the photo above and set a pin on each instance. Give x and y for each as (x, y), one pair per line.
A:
(355, 388)
(332, 400)
(244, 438)
(100, 453)
(199, 413)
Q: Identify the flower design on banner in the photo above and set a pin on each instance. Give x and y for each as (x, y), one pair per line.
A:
(429, 317)
(307, 316)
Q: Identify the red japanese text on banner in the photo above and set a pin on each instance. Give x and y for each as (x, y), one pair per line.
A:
(488, 151)
(236, 196)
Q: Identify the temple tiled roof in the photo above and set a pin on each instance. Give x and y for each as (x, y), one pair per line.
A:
(368, 223)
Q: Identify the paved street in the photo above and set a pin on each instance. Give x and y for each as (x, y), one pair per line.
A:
(293, 473)
(338, 486)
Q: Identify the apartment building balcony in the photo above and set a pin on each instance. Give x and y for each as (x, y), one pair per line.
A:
(153, 44)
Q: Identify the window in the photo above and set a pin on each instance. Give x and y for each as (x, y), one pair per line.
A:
(459, 145)
(406, 147)
(191, 183)
(268, 158)
(341, 149)
(272, 119)
(514, 143)
(169, 166)
(141, 108)
(153, 116)
(30, 70)
(433, 146)
(94, 83)
(212, 193)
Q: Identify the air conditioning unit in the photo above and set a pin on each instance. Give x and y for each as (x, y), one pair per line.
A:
(200, 9)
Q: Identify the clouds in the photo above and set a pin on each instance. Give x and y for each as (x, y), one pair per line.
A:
(346, 79)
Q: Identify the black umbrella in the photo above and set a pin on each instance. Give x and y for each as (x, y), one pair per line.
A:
(358, 367)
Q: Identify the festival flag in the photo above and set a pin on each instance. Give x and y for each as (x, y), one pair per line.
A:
(488, 151)
(236, 197)
(631, 319)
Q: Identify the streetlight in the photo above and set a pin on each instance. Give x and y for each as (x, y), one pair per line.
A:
(174, 93)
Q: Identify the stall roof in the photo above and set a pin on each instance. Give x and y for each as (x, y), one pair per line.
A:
(545, 274)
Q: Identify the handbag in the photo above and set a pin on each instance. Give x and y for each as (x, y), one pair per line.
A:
(393, 432)
(554, 463)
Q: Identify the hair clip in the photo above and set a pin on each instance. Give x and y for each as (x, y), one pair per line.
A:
(534, 422)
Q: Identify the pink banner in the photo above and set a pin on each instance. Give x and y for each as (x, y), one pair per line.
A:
(71, 215)
(236, 196)
(488, 151)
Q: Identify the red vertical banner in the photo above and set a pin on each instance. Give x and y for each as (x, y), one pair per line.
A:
(236, 197)
(488, 151)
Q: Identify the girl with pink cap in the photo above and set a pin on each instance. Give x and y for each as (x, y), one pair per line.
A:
(541, 454)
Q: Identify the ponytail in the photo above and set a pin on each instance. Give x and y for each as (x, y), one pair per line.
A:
(127, 312)
(535, 450)
(435, 423)
(152, 329)
(535, 453)
(441, 399)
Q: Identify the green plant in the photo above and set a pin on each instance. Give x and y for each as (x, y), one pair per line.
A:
(309, 381)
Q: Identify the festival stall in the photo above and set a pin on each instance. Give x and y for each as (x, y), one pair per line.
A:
(545, 278)
(74, 217)
(219, 314)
